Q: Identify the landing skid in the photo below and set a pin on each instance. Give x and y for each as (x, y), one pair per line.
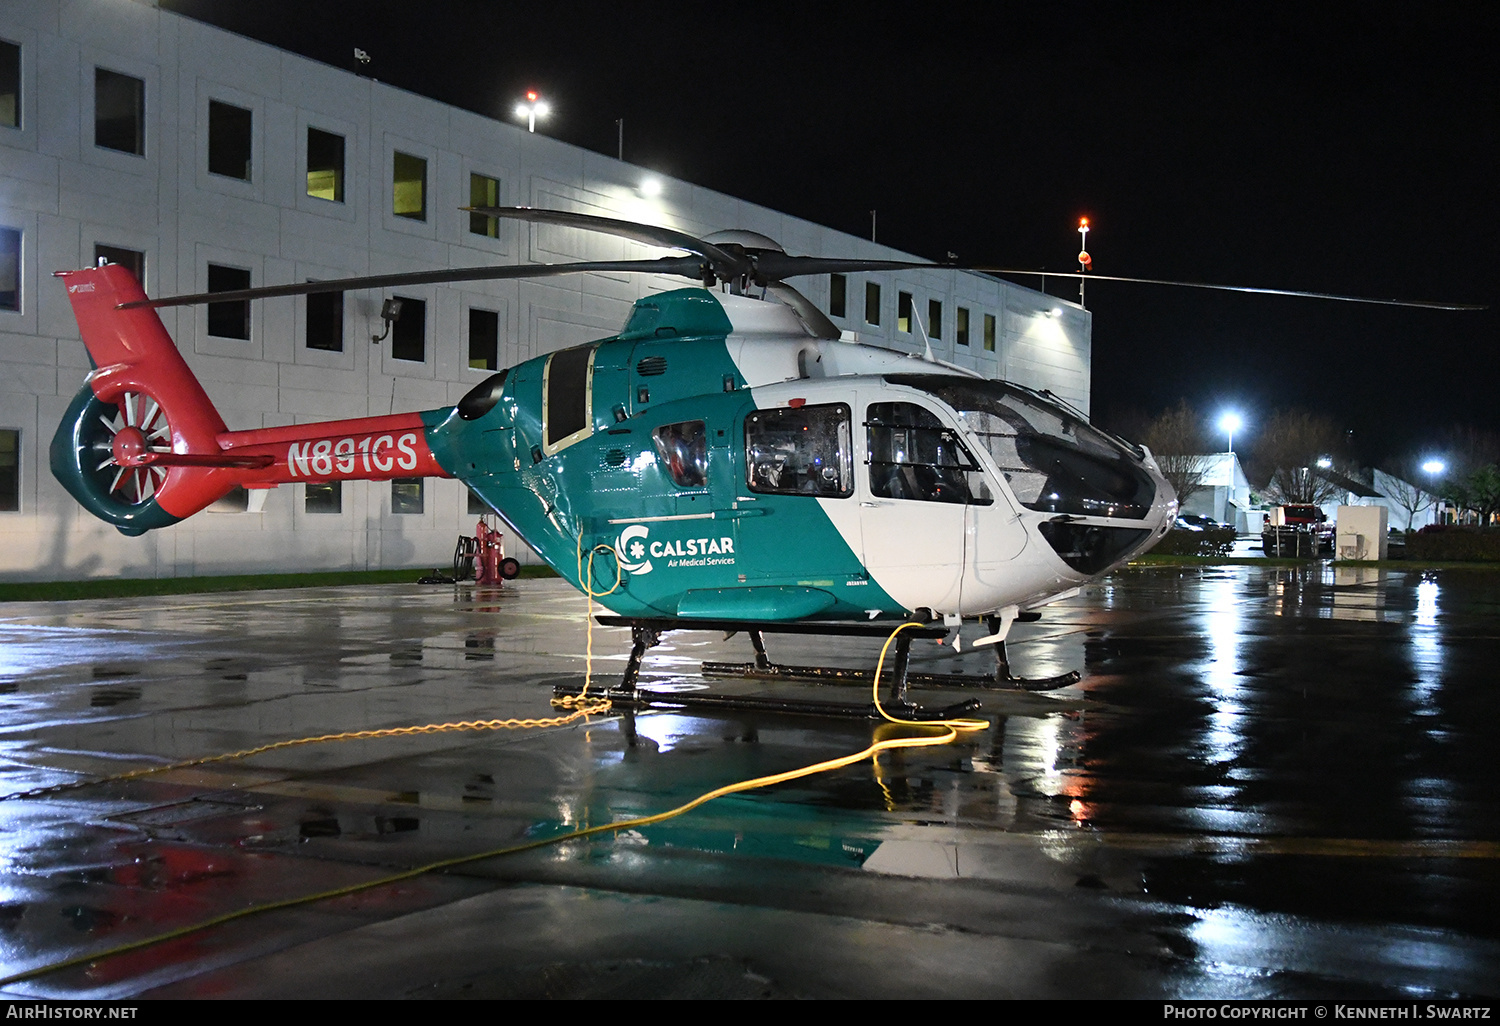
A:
(646, 634)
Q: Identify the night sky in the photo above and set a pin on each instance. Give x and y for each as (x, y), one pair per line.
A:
(1328, 147)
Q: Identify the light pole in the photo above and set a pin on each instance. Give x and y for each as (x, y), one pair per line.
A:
(1229, 423)
(1085, 262)
(532, 108)
(1433, 468)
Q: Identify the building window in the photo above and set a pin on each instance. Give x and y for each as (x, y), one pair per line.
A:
(325, 321)
(228, 140)
(989, 333)
(484, 192)
(484, 339)
(10, 85)
(325, 497)
(903, 311)
(409, 333)
(409, 189)
(837, 286)
(325, 165)
(119, 112)
(934, 318)
(10, 471)
(132, 260)
(406, 495)
(228, 320)
(961, 329)
(10, 269)
(872, 303)
(477, 506)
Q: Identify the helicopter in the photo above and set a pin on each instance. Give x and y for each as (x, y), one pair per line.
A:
(725, 461)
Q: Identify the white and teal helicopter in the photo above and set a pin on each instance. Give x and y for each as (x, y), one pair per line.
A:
(725, 461)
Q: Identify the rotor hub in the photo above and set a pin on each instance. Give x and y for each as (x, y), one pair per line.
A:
(129, 446)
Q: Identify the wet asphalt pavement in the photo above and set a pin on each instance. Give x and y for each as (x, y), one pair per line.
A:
(1270, 782)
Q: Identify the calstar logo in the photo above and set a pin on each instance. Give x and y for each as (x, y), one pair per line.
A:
(635, 552)
(631, 550)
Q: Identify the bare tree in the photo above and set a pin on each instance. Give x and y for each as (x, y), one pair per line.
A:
(1287, 450)
(1402, 485)
(1176, 439)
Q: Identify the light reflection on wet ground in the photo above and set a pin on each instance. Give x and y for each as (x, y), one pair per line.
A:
(1270, 782)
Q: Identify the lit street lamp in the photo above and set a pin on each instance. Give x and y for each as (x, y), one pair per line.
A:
(1229, 424)
(534, 107)
(1434, 467)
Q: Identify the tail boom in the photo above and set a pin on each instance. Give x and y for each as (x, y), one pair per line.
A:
(142, 446)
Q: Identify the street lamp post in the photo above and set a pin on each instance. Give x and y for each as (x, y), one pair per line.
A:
(1229, 424)
(534, 107)
(1434, 469)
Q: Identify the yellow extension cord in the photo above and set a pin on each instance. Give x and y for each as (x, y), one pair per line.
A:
(582, 707)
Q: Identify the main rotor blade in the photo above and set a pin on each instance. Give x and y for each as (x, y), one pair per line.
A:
(689, 267)
(726, 265)
(1419, 303)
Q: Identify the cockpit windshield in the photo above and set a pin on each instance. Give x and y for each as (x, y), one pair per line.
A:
(1054, 461)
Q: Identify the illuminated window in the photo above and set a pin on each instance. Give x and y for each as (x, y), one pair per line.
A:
(409, 190)
(406, 495)
(872, 303)
(484, 339)
(483, 192)
(10, 470)
(325, 321)
(10, 269)
(10, 85)
(934, 319)
(325, 497)
(119, 112)
(989, 333)
(836, 289)
(903, 311)
(325, 165)
(229, 140)
(409, 333)
(961, 328)
(132, 260)
(228, 320)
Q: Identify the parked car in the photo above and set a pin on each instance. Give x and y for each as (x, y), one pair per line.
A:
(1199, 522)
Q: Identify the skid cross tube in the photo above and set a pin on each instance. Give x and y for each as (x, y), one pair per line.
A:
(646, 634)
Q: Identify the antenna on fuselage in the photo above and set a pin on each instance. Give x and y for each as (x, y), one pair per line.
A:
(927, 342)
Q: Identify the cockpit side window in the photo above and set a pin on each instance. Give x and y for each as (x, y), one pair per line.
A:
(804, 450)
(913, 455)
(1053, 460)
(683, 450)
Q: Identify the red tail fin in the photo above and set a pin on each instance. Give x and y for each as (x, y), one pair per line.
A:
(142, 446)
(141, 404)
